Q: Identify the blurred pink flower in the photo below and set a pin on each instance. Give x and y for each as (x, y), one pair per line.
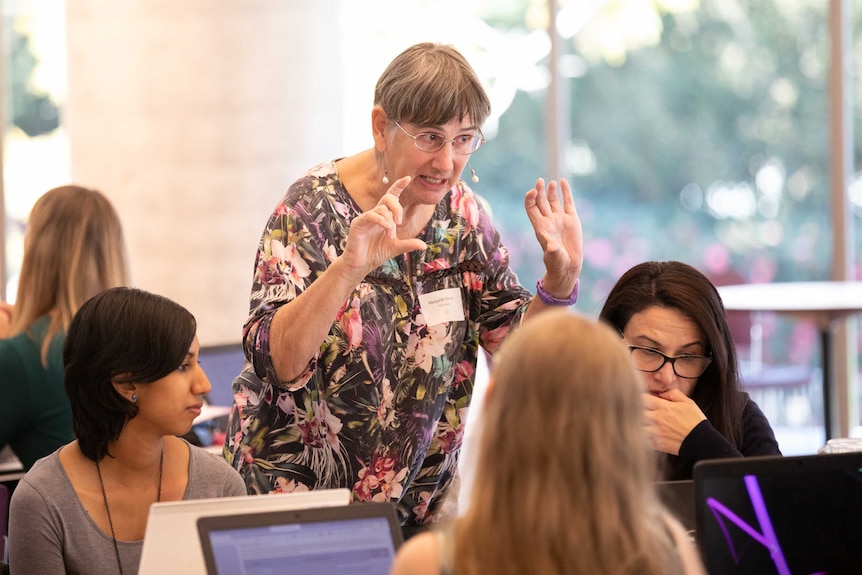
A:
(351, 322)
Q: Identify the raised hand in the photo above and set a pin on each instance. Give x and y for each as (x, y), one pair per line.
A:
(373, 235)
(558, 230)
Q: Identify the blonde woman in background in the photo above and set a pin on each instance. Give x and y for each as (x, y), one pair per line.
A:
(564, 470)
(73, 249)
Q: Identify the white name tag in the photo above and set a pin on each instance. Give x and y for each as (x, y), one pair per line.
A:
(442, 306)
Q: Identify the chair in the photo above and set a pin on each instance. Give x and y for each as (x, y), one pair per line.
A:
(781, 390)
(4, 520)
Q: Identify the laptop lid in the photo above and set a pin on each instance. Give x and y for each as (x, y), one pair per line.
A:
(782, 515)
(222, 364)
(356, 539)
(678, 498)
(171, 543)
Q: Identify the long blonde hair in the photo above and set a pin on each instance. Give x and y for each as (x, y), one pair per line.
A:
(73, 249)
(563, 480)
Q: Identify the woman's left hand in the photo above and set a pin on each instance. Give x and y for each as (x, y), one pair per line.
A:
(669, 417)
(558, 230)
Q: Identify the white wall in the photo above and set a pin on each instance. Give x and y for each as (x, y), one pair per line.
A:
(194, 117)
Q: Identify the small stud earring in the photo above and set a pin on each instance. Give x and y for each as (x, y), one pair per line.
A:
(385, 177)
(134, 397)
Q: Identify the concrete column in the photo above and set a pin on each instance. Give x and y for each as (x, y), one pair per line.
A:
(194, 117)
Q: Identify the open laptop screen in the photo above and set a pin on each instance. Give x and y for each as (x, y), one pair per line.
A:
(678, 498)
(171, 542)
(222, 363)
(780, 515)
(358, 539)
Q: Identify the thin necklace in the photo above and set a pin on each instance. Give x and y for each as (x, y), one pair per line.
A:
(108, 509)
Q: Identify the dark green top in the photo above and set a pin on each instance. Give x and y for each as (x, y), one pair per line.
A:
(35, 416)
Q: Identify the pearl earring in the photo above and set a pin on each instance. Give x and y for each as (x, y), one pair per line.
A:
(134, 397)
(385, 177)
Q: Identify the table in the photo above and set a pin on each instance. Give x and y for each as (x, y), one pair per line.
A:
(824, 303)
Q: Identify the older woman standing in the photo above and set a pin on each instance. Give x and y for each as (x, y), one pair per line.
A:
(378, 278)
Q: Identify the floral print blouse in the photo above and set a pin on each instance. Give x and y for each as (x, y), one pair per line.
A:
(380, 409)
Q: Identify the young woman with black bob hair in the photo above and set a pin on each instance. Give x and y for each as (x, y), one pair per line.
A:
(134, 384)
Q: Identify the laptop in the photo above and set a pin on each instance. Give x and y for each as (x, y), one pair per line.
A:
(678, 498)
(780, 515)
(222, 363)
(171, 540)
(356, 539)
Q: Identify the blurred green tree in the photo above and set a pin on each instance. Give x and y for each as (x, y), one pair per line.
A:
(32, 110)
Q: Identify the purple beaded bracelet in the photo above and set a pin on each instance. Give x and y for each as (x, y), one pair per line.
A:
(548, 299)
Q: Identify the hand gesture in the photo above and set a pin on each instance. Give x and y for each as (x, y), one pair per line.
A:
(668, 418)
(373, 239)
(558, 230)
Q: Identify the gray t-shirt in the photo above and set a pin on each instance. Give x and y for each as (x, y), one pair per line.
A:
(50, 532)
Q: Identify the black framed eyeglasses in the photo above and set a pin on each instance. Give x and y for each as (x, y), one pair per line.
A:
(686, 366)
(464, 144)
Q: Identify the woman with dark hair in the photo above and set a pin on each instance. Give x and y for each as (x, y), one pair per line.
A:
(675, 325)
(134, 384)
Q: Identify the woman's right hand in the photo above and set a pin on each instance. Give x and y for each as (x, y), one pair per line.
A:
(373, 238)
(371, 241)
(668, 419)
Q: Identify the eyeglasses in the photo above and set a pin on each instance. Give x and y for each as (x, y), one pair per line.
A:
(464, 144)
(686, 366)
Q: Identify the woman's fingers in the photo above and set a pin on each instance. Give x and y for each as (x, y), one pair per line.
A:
(381, 216)
(568, 198)
(551, 198)
(391, 199)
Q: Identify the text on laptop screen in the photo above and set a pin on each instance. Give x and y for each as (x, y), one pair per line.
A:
(361, 546)
(804, 522)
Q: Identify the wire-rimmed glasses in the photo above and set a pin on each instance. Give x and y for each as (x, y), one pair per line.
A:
(464, 144)
(686, 366)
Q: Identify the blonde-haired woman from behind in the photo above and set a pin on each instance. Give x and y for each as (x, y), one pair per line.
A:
(564, 472)
(73, 249)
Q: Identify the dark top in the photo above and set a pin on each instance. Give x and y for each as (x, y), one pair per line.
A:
(705, 442)
(35, 415)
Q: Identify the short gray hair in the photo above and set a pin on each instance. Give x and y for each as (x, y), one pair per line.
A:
(431, 84)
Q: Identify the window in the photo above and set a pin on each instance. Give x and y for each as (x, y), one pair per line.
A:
(697, 131)
(35, 147)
